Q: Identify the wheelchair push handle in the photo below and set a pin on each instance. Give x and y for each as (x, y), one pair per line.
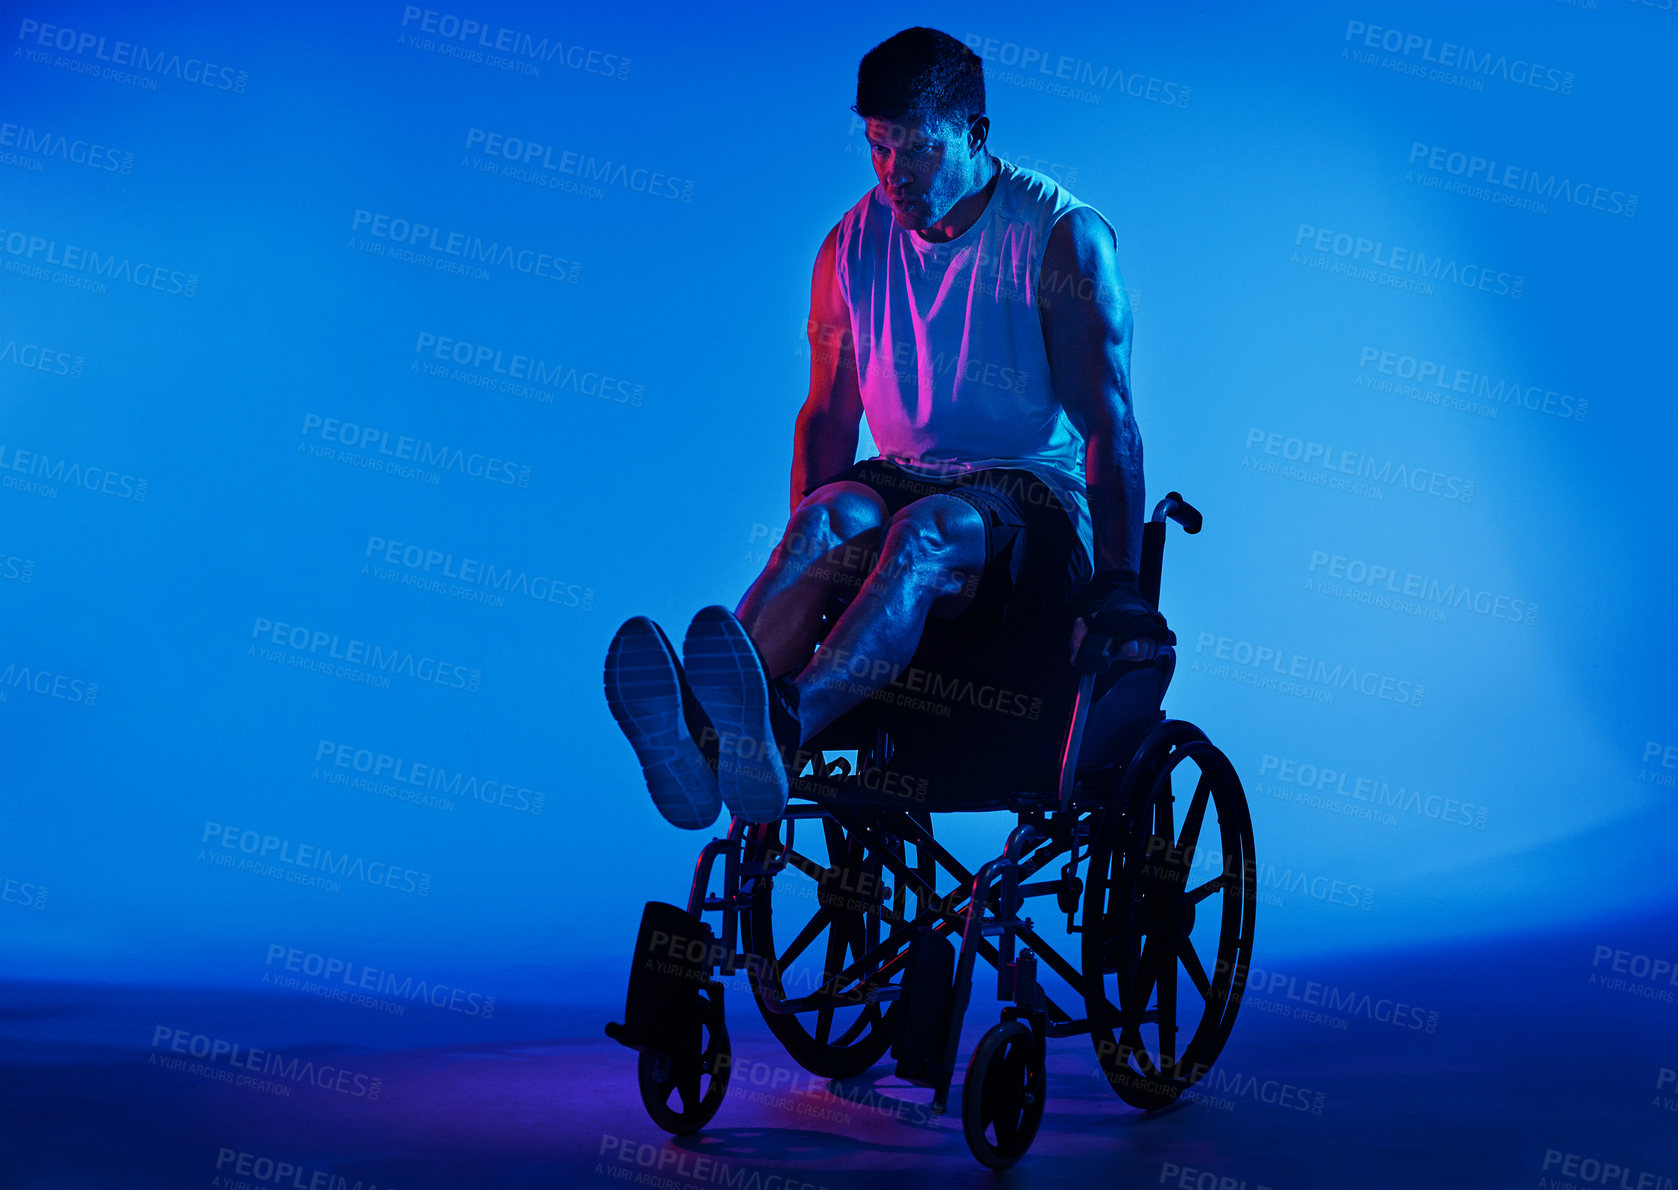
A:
(1180, 510)
(1173, 508)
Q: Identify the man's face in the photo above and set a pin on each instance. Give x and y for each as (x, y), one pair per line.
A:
(924, 168)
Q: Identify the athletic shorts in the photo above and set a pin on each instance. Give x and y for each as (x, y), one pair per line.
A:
(981, 711)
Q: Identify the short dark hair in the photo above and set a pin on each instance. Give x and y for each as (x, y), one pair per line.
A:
(923, 73)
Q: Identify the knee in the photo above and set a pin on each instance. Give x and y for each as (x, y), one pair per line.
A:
(831, 516)
(935, 543)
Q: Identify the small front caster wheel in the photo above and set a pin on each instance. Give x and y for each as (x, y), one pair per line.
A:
(683, 1091)
(1002, 1097)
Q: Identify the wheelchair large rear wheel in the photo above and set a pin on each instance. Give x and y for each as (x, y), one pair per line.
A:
(1168, 918)
(816, 917)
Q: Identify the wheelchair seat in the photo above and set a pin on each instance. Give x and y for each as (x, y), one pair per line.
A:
(968, 762)
(981, 758)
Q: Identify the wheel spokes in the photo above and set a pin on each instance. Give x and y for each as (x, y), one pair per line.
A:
(857, 936)
(1163, 812)
(1166, 980)
(1156, 968)
(1216, 884)
(807, 865)
(997, 1106)
(1192, 820)
(864, 1019)
(687, 1089)
(805, 936)
(842, 850)
(1145, 977)
(1010, 1079)
(1197, 973)
(1143, 921)
(837, 944)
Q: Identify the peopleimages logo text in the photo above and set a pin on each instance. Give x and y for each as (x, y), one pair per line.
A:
(425, 775)
(526, 152)
(1076, 71)
(1364, 466)
(536, 370)
(390, 660)
(464, 245)
(1407, 583)
(272, 849)
(1471, 167)
(283, 1174)
(514, 42)
(1341, 675)
(107, 266)
(418, 451)
(74, 151)
(1450, 55)
(1405, 799)
(1409, 261)
(423, 561)
(266, 1062)
(1429, 373)
(127, 53)
(362, 978)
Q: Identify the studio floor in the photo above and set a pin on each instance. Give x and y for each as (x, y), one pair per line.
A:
(1539, 1061)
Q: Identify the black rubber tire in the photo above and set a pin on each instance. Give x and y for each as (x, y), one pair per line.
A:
(1129, 896)
(658, 1078)
(1003, 1094)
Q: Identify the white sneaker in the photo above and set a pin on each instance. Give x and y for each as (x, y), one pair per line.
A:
(730, 680)
(663, 721)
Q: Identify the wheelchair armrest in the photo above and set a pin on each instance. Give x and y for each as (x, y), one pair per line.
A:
(1113, 712)
(1097, 655)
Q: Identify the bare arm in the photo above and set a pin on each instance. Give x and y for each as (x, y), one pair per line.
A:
(825, 437)
(1086, 329)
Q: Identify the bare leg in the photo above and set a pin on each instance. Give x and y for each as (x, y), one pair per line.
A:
(829, 546)
(930, 556)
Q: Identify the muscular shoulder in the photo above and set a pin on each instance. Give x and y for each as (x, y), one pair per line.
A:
(828, 283)
(1081, 260)
(830, 243)
(1083, 241)
(862, 216)
(857, 234)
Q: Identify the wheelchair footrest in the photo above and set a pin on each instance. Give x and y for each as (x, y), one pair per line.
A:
(620, 1034)
(675, 953)
(927, 981)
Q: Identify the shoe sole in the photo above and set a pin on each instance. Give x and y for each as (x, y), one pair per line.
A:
(645, 696)
(727, 678)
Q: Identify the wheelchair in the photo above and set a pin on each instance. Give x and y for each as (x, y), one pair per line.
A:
(859, 933)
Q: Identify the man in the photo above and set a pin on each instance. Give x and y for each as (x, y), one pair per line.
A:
(974, 311)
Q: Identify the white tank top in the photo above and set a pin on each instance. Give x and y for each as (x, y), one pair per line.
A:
(949, 343)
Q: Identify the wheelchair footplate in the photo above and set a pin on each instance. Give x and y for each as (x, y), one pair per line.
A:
(674, 1017)
(670, 987)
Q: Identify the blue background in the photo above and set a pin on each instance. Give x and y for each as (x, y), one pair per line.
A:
(669, 499)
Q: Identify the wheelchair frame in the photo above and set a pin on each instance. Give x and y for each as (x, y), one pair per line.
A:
(1119, 819)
